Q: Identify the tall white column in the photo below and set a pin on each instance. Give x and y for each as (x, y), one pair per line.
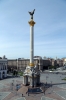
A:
(31, 23)
(31, 44)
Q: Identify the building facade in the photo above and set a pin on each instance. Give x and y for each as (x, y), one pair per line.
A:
(3, 68)
(20, 64)
(64, 61)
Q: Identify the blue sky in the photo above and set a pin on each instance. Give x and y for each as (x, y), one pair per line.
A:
(49, 30)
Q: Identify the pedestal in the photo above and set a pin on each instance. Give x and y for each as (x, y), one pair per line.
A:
(25, 80)
(38, 79)
(31, 81)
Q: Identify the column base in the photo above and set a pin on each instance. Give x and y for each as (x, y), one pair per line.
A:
(31, 64)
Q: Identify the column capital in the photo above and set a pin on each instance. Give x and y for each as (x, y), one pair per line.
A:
(31, 23)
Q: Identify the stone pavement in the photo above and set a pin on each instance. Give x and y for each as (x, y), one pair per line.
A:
(46, 98)
(4, 94)
(56, 92)
(49, 95)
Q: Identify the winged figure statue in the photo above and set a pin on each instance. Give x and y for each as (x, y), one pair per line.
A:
(31, 13)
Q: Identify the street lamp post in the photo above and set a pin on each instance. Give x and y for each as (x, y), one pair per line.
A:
(46, 79)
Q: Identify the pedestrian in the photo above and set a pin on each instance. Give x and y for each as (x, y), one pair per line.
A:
(44, 91)
(22, 95)
(28, 94)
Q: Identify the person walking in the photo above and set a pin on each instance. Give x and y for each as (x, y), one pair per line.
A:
(22, 95)
(44, 89)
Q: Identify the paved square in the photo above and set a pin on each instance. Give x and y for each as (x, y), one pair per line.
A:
(46, 98)
(63, 86)
(2, 85)
(22, 98)
(3, 95)
(61, 93)
(55, 92)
